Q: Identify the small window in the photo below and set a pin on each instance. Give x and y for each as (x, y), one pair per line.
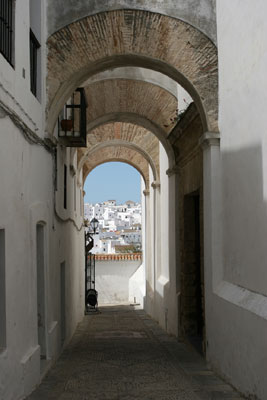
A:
(34, 46)
(35, 52)
(6, 29)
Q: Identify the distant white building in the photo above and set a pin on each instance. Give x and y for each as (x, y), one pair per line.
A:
(119, 225)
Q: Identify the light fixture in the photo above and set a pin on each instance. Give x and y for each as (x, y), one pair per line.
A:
(94, 225)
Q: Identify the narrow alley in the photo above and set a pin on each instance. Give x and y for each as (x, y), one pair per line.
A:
(122, 354)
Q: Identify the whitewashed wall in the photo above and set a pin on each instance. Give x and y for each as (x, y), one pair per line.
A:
(113, 279)
(236, 314)
(27, 198)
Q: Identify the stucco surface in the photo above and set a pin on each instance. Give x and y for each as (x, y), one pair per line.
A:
(200, 14)
(112, 280)
(237, 340)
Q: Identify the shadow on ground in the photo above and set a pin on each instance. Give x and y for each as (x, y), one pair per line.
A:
(120, 353)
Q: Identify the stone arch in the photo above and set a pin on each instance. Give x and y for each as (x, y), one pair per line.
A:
(138, 120)
(133, 38)
(122, 154)
(121, 144)
(125, 134)
(137, 74)
(130, 96)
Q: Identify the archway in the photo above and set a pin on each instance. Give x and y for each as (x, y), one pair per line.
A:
(117, 251)
(182, 53)
(188, 56)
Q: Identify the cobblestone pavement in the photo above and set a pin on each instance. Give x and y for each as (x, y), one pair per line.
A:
(122, 354)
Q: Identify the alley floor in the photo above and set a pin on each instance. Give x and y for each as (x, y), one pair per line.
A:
(122, 354)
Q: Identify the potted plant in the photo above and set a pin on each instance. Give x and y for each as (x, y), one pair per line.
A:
(66, 124)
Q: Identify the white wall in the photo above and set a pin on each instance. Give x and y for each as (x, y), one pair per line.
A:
(27, 173)
(236, 315)
(27, 199)
(113, 281)
(161, 298)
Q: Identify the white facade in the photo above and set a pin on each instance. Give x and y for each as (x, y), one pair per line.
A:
(40, 240)
(117, 222)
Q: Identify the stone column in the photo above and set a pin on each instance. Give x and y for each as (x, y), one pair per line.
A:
(174, 251)
(212, 215)
(212, 209)
(156, 245)
(156, 235)
(148, 254)
(145, 229)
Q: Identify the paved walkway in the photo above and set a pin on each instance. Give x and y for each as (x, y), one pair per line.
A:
(122, 354)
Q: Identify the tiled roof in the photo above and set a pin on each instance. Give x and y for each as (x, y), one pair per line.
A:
(118, 257)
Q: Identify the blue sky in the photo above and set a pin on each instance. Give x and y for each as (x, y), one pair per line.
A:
(112, 181)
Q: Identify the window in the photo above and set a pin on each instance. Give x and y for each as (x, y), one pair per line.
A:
(6, 29)
(34, 46)
(35, 40)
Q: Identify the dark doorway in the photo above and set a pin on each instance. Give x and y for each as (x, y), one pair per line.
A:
(41, 318)
(192, 280)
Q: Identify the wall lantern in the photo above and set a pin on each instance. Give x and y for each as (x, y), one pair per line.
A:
(90, 292)
(94, 225)
(72, 121)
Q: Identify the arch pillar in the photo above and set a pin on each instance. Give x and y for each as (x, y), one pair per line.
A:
(174, 295)
(148, 252)
(212, 199)
(156, 245)
(210, 143)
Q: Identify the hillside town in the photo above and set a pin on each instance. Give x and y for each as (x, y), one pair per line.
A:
(119, 226)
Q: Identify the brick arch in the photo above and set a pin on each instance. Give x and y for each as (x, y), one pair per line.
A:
(121, 154)
(138, 74)
(133, 38)
(122, 144)
(139, 121)
(125, 134)
(129, 96)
